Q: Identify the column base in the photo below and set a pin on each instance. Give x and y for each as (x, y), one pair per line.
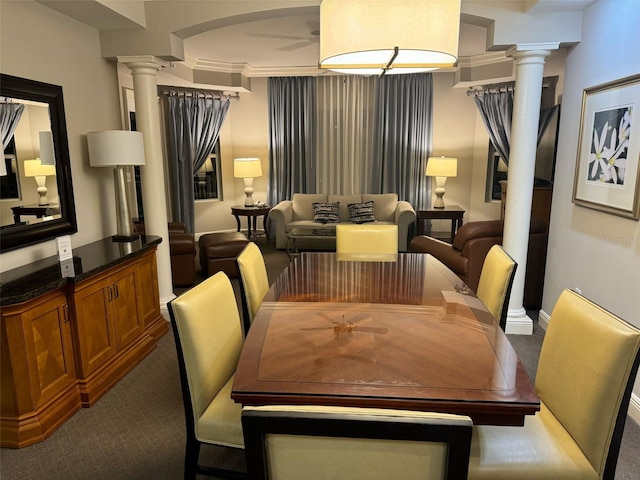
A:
(518, 322)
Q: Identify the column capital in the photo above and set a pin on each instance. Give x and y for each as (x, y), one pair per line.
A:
(532, 49)
(143, 61)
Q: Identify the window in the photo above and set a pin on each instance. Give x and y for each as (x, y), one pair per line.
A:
(496, 171)
(207, 181)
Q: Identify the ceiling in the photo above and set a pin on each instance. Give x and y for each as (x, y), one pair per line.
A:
(291, 41)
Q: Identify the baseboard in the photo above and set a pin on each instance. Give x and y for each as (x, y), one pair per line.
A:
(634, 408)
(543, 319)
(634, 403)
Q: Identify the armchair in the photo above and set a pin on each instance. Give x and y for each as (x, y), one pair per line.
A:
(471, 244)
(182, 249)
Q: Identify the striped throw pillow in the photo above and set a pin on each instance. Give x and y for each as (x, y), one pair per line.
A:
(361, 212)
(326, 212)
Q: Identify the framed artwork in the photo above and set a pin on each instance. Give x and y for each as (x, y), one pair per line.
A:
(607, 174)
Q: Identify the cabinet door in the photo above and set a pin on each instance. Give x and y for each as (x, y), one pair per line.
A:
(48, 333)
(95, 334)
(147, 289)
(126, 321)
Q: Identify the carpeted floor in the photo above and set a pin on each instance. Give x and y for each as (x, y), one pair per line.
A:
(136, 431)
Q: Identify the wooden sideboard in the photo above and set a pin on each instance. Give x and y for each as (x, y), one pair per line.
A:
(66, 340)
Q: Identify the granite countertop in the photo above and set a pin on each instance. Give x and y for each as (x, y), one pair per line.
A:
(29, 281)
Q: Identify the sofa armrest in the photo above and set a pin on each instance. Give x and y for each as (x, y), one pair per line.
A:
(280, 216)
(443, 252)
(404, 216)
(181, 243)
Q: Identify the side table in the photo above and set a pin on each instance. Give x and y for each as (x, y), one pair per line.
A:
(450, 212)
(252, 214)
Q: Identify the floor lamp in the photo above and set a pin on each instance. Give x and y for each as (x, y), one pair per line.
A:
(117, 149)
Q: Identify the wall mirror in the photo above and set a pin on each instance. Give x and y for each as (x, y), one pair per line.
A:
(37, 201)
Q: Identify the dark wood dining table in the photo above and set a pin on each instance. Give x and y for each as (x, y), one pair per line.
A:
(404, 334)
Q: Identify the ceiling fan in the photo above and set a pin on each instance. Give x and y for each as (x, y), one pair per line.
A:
(311, 38)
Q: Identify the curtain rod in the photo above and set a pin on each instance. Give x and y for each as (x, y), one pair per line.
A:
(190, 92)
(479, 91)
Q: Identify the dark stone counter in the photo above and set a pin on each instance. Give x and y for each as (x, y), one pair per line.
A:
(29, 281)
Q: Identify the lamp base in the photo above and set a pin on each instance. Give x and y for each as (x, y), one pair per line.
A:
(439, 191)
(248, 191)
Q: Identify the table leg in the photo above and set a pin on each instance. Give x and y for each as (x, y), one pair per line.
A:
(454, 224)
(237, 221)
(264, 226)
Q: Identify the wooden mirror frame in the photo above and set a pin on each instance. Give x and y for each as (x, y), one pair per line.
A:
(24, 235)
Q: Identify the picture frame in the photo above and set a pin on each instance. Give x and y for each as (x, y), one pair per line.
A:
(607, 175)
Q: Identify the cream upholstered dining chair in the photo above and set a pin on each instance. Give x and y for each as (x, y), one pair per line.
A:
(367, 242)
(208, 336)
(587, 366)
(496, 280)
(254, 282)
(325, 443)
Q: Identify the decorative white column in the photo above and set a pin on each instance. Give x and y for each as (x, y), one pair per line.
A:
(529, 60)
(145, 89)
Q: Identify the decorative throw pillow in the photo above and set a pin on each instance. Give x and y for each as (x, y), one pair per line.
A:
(326, 212)
(361, 212)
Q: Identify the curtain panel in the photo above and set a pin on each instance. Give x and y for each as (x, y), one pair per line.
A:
(10, 114)
(292, 147)
(404, 108)
(496, 110)
(347, 134)
(194, 122)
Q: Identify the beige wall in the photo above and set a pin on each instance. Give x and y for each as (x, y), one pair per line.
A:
(594, 251)
(41, 44)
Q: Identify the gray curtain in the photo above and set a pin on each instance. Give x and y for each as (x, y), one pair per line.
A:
(10, 114)
(496, 109)
(403, 137)
(194, 122)
(292, 118)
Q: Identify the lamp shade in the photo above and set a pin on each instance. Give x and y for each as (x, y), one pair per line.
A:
(110, 148)
(442, 167)
(247, 168)
(34, 168)
(378, 36)
(47, 154)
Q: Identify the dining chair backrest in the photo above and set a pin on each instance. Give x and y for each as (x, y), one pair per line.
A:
(367, 242)
(208, 337)
(321, 442)
(496, 280)
(587, 367)
(254, 282)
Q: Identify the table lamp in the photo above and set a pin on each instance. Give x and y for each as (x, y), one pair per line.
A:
(118, 148)
(248, 169)
(441, 168)
(35, 168)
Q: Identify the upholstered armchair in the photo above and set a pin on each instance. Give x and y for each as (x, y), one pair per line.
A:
(471, 244)
(182, 249)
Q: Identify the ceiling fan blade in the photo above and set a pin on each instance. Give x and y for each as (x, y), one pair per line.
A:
(270, 35)
(294, 46)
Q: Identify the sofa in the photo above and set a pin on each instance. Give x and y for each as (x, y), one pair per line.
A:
(182, 250)
(471, 244)
(299, 212)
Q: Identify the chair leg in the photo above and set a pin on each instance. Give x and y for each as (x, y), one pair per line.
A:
(191, 457)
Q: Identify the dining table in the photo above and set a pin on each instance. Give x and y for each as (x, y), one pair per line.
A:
(404, 334)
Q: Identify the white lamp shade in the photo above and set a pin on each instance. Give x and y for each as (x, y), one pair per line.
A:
(360, 36)
(47, 154)
(247, 168)
(110, 148)
(442, 167)
(34, 168)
